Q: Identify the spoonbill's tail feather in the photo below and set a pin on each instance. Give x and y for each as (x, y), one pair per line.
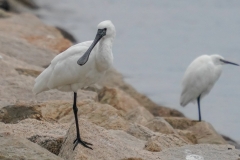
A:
(42, 80)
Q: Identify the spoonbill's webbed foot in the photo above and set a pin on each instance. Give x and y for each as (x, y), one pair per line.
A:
(85, 144)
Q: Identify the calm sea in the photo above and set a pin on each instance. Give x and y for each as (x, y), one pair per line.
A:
(156, 40)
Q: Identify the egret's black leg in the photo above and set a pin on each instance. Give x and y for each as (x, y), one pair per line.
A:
(199, 110)
(78, 139)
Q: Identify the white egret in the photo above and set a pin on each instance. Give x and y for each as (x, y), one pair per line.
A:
(200, 77)
(76, 68)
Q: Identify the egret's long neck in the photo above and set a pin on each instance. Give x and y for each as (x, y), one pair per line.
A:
(104, 58)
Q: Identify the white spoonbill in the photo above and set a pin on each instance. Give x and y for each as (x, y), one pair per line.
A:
(76, 68)
(200, 77)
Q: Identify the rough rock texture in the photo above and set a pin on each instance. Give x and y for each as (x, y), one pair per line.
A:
(48, 135)
(122, 101)
(203, 131)
(52, 144)
(110, 144)
(160, 142)
(158, 124)
(18, 112)
(180, 123)
(140, 132)
(42, 36)
(187, 135)
(116, 144)
(14, 147)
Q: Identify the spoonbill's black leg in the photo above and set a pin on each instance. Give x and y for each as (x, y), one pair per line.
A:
(199, 110)
(78, 139)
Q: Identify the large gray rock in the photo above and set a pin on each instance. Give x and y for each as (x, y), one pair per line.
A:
(14, 147)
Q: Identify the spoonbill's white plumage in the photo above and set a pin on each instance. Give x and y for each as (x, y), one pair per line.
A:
(200, 77)
(76, 68)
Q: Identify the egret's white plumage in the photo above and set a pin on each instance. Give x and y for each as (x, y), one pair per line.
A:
(200, 77)
(79, 66)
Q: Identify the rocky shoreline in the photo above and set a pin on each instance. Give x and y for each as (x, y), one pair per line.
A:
(120, 122)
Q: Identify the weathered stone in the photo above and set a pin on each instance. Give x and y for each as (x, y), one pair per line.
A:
(52, 144)
(139, 115)
(123, 102)
(162, 111)
(158, 124)
(101, 114)
(108, 117)
(14, 147)
(187, 135)
(47, 135)
(27, 72)
(205, 133)
(180, 123)
(15, 113)
(117, 99)
(18, 28)
(140, 132)
(161, 141)
(107, 144)
(4, 14)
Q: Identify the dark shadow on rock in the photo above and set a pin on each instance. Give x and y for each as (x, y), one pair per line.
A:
(67, 35)
(52, 144)
(15, 113)
(4, 5)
